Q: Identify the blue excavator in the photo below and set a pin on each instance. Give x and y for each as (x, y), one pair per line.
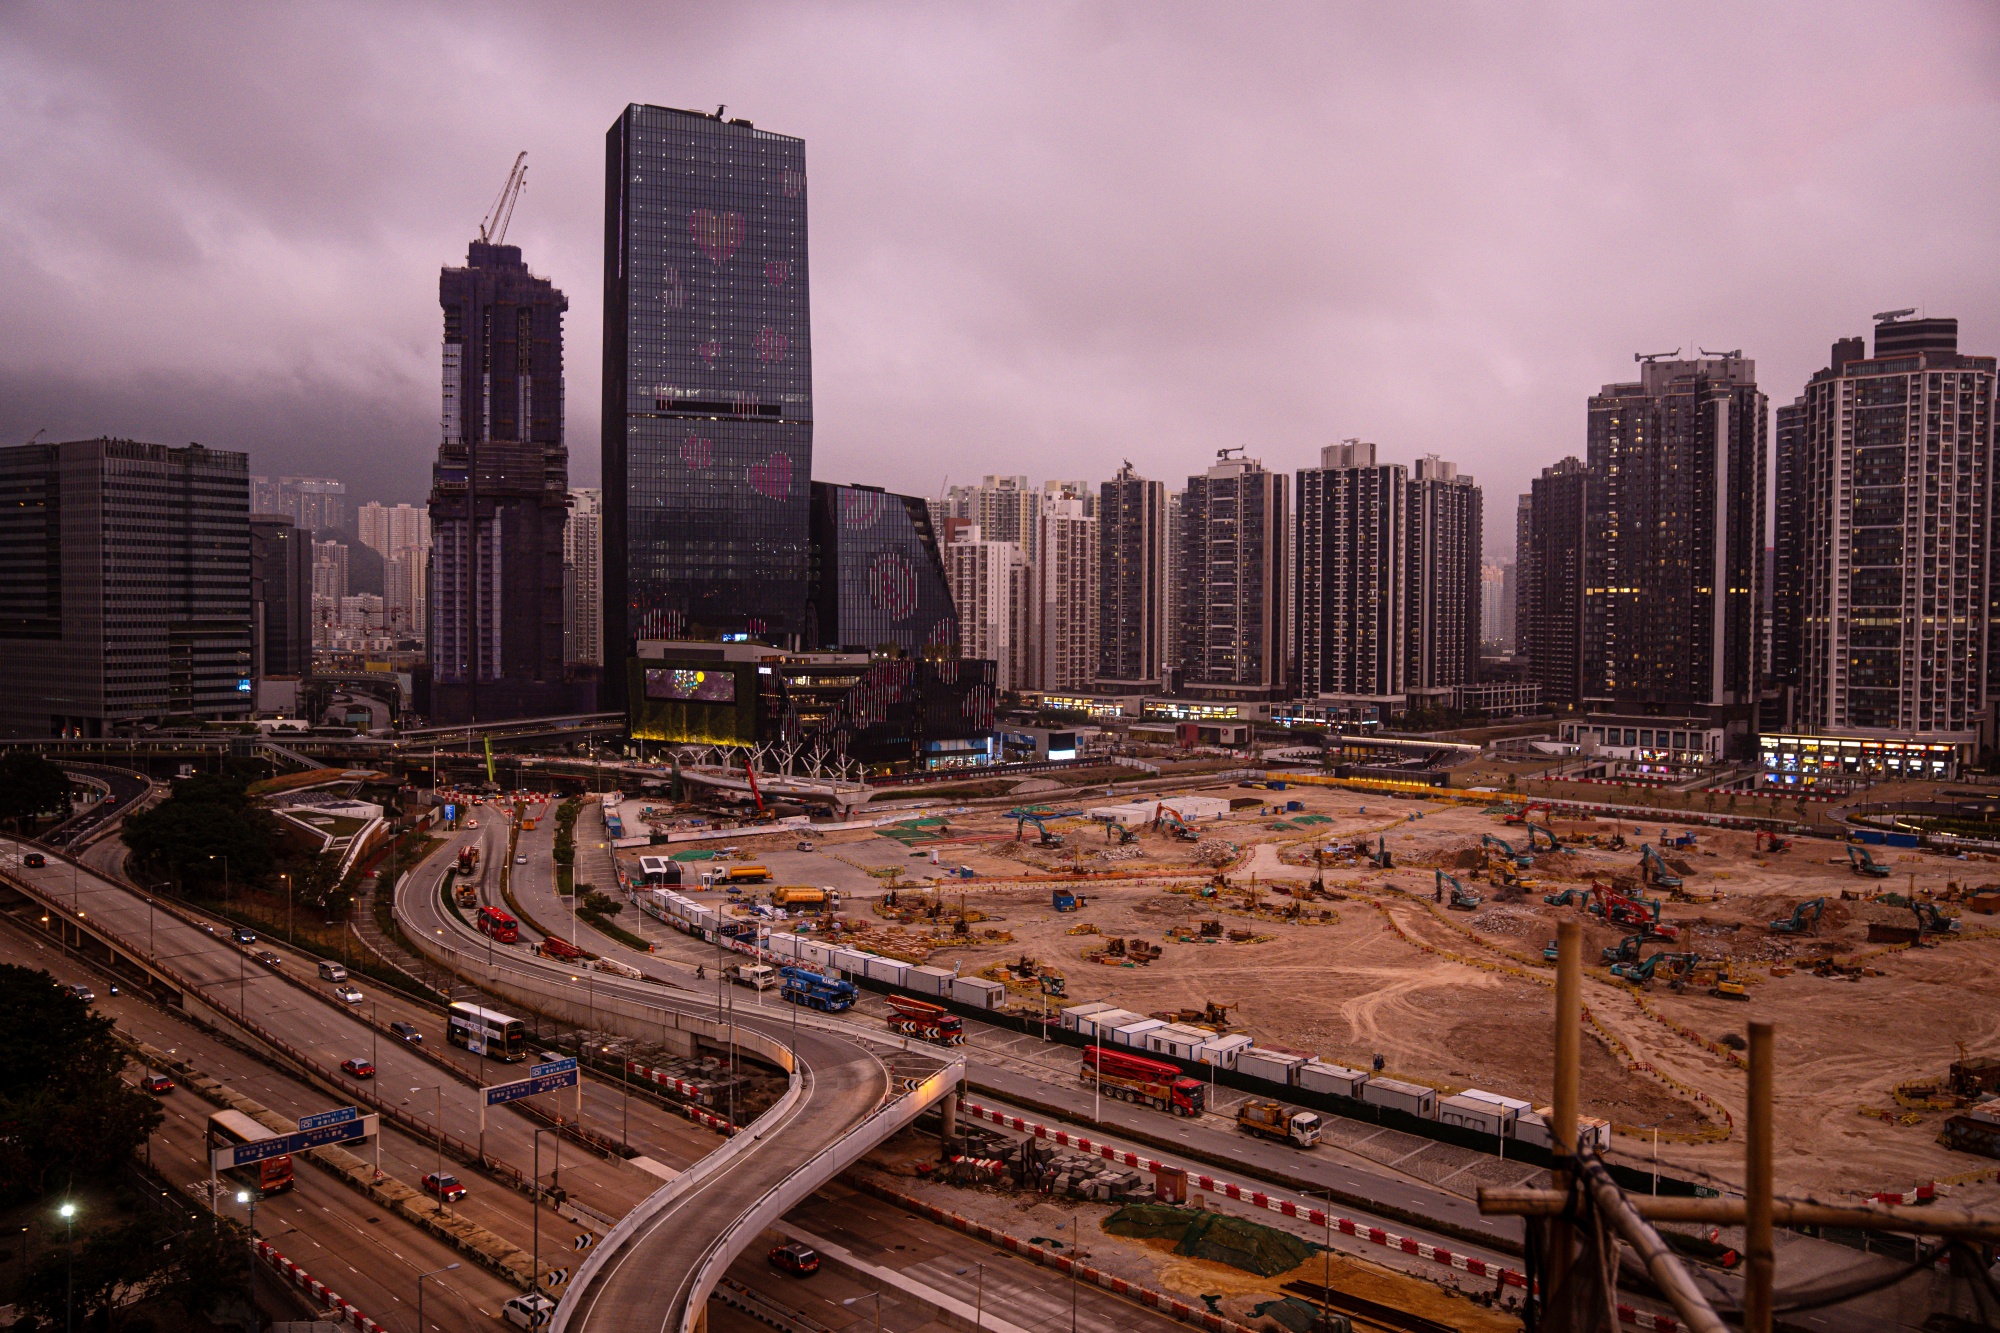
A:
(1864, 864)
(1544, 831)
(1040, 817)
(1641, 972)
(1653, 870)
(1462, 898)
(1804, 919)
(1521, 859)
(1568, 898)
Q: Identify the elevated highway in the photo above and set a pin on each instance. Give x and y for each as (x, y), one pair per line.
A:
(657, 1267)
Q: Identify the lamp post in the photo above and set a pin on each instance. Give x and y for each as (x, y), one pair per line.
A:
(68, 1212)
(978, 1298)
(439, 1089)
(535, 1204)
(420, 1292)
(286, 876)
(877, 1295)
(224, 858)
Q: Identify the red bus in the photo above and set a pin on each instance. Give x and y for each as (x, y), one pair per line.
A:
(498, 924)
(233, 1127)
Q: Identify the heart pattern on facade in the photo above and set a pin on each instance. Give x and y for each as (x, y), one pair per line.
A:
(697, 453)
(718, 234)
(777, 271)
(771, 344)
(709, 350)
(791, 183)
(772, 478)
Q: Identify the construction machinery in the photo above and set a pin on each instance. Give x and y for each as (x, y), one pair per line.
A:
(1771, 842)
(1124, 836)
(1041, 817)
(816, 991)
(1862, 863)
(559, 949)
(748, 874)
(1168, 820)
(1804, 919)
(493, 227)
(1686, 838)
(1270, 1120)
(1382, 858)
(805, 895)
(1725, 984)
(1134, 1078)
(1653, 870)
(1550, 953)
(1626, 950)
(1640, 972)
(1930, 921)
(1543, 830)
(1521, 859)
(1505, 877)
(1462, 898)
(925, 1021)
(1568, 898)
(1064, 901)
(1527, 812)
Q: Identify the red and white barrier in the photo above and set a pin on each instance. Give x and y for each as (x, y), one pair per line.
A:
(318, 1290)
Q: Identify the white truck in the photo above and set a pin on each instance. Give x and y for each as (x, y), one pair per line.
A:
(757, 976)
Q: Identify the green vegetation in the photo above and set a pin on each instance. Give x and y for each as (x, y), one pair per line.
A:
(598, 909)
(69, 1118)
(31, 788)
(143, 1273)
(206, 831)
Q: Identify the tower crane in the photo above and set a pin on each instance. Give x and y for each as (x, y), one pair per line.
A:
(493, 228)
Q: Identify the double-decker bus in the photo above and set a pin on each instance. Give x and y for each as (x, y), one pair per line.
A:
(233, 1127)
(503, 1038)
(500, 925)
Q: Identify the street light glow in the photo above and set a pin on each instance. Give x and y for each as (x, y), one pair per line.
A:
(68, 1211)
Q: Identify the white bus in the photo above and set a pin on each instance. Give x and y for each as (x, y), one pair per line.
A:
(498, 1035)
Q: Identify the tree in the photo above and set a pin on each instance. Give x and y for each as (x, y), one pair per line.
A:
(207, 819)
(68, 1116)
(30, 787)
(317, 883)
(196, 1271)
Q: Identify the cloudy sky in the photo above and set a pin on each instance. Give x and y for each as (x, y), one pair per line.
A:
(1045, 238)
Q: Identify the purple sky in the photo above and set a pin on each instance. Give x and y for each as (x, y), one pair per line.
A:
(1044, 238)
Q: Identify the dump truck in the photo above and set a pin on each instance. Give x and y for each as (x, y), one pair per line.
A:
(1270, 1120)
(1064, 901)
(816, 991)
(1134, 1078)
(748, 874)
(927, 1022)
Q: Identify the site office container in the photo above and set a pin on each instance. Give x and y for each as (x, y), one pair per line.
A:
(1222, 1051)
(1100, 1025)
(1278, 1066)
(932, 981)
(1513, 1106)
(1471, 1113)
(1414, 1098)
(1178, 1040)
(811, 951)
(850, 962)
(1533, 1127)
(1339, 1080)
(785, 946)
(1133, 1035)
(978, 992)
(1072, 1017)
(888, 970)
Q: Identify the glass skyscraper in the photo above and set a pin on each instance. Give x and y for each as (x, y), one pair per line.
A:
(707, 381)
(878, 575)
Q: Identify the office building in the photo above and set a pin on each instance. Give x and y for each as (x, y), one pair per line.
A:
(1233, 617)
(1888, 471)
(1066, 590)
(281, 591)
(499, 497)
(878, 578)
(1349, 577)
(1674, 544)
(316, 504)
(1132, 578)
(992, 588)
(124, 586)
(583, 578)
(1552, 633)
(1444, 516)
(707, 423)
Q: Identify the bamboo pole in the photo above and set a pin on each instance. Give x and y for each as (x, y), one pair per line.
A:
(1569, 1057)
(1667, 1272)
(1759, 1265)
(1925, 1220)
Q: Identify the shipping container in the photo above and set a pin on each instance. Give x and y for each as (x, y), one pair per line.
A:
(1339, 1080)
(1100, 1025)
(1414, 1098)
(931, 980)
(1222, 1051)
(1278, 1066)
(1178, 1040)
(850, 962)
(1134, 1034)
(1073, 1016)
(978, 992)
(785, 946)
(889, 970)
(1471, 1113)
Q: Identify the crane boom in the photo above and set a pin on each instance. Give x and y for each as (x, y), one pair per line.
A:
(493, 228)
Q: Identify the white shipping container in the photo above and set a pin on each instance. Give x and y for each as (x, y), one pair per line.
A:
(1073, 1016)
(930, 980)
(978, 992)
(889, 970)
(1278, 1066)
(1412, 1097)
(1514, 1104)
(815, 953)
(1100, 1025)
(850, 962)
(1178, 1040)
(1471, 1113)
(1134, 1034)
(1222, 1051)
(785, 946)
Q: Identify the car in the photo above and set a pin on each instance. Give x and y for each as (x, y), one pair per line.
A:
(444, 1185)
(157, 1084)
(356, 1067)
(84, 993)
(520, 860)
(408, 1032)
(268, 959)
(347, 994)
(530, 1311)
(796, 1259)
(243, 935)
(34, 860)
(805, 846)
(472, 823)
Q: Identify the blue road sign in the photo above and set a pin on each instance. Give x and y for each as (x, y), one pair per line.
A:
(562, 1066)
(451, 812)
(534, 1084)
(339, 1116)
(242, 1154)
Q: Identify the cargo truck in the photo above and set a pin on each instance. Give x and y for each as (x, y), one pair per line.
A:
(748, 874)
(1133, 1078)
(757, 976)
(1269, 1120)
(801, 895)
(930, 1022)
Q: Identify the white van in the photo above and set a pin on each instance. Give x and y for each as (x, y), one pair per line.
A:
(332, 972)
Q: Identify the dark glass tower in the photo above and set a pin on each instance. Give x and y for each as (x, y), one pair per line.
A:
(878, 576)
(707, 381)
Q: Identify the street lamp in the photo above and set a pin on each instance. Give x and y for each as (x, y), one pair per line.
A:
(224, 858)
(439, 1089)
(420, 1292)
(978, 1299)
(68, 1212)
(877, 1295)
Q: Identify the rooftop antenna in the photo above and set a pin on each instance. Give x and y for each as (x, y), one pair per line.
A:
(720, 109)
(1650, 357)
(493, 229)
(1891, 316)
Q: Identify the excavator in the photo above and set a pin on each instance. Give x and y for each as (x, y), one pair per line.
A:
(1040, 817)
(1462, 898)
(1653, 869)
(1170, 820)
(1771, 842)
(1864, 864)
(1521, 859)
(1527, 812)
(1125, 836)
(1506, 878)
(1804, 919)
(1621, 910)
(1641, 973)
(1543, 830)
(1626, 950)
(1930, 921)
(1568, 898)
(1382, 858)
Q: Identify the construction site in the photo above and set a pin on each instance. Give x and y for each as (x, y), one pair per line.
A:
(1414, 939)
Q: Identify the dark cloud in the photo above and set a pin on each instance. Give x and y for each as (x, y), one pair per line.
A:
(1044, 237)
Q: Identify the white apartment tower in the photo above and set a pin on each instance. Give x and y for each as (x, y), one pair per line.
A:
(991, 585)
(583, 578)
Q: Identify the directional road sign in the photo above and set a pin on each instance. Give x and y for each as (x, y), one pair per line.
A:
(541, 1078)
(243, 1154)
(338, 1116)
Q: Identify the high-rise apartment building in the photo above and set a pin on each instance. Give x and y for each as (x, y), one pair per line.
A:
(1233, 619)
(583, 577)
(878, 577)
(499, 496)
(124, 586)
(1132, 574)
(1495, 583)
(315, 504)
(329, 570)
(391, 530)
(1888, 475)
(1552, 581)
(1170, 599)
(992, 587)
(1004, 508)
(401, 535)
(1066, 591)
(1675, 543)
(1445, 514)
(1349, 578)
(707, 382)
(281, 593)
(1523, 518)
(1788, 554)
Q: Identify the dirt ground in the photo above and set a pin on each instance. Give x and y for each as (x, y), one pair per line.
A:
(1463, 999)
